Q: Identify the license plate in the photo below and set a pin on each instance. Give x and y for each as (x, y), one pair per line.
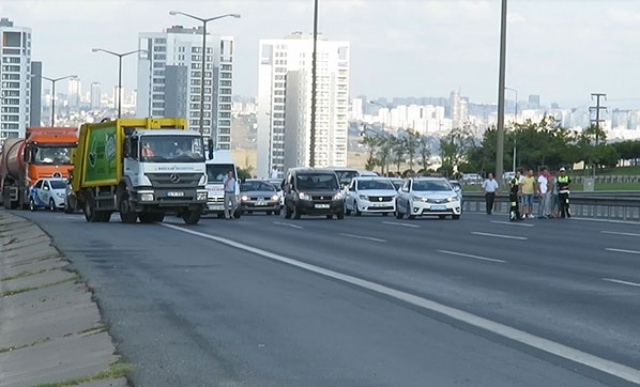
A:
(215, 207)
(322, 206)
(439, 207)
(175, 194)
(261, 203)
(378, 204)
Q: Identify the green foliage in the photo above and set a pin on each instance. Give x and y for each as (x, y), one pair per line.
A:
(245, 173)
(396, 149)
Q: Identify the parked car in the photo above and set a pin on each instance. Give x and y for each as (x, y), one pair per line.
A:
(428, 196)
(259, 196)
(313, 191)
(371, 195)
(48, 193)
(471, 178)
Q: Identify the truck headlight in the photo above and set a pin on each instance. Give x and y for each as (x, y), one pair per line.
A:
(202, 195)
(203, 180)
(146, 197)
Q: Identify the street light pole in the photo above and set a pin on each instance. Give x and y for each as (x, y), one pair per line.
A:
(120, 56)
(314, 86)
(203, 62)
(53, 94)
(501, 86)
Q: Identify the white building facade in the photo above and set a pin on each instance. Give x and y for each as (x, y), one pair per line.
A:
(170, 80)
(284, 103)
(15, 79)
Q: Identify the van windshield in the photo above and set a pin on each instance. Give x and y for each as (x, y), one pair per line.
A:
(217, 172)
(317, 181)
(345, 175)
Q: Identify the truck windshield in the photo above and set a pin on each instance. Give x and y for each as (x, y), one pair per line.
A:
(217, 172)
(52, 155)
(171, 149)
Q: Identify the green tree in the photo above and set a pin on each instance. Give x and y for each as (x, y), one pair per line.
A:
(412, 144)
(454, 147)
(424, 150)
(245, 173)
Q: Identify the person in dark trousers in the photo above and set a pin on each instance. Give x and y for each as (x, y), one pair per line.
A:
(564, 182)
(489, 189)
(514, 191)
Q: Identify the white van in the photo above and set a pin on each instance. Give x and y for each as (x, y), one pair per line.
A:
(217, 168)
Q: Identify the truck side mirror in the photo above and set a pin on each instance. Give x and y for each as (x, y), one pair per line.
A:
(26, 155)
(210, 148)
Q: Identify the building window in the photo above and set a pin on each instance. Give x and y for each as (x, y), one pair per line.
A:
(225, 91)
(225, 83)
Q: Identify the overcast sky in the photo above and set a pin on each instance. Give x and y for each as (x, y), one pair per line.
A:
(562, 50)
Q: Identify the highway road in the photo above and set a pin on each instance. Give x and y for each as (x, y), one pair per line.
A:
(367, 301)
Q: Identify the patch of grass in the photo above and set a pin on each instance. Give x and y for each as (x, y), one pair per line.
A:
(74, 278)
(633, 170)
(10, 349)
(23, 274)
(118, 369)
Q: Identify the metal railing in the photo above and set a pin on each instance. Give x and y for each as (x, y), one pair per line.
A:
(597, 206)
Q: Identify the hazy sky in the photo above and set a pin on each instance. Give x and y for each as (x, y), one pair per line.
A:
(560, 49)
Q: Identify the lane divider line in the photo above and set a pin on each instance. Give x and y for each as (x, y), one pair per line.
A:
(621, 233)
(513, 223)
(402, 224)
(603, 365)
(364, 237)
(499, 235)
(622, 250)
(289, 225)
(472, 256)
(621, 282)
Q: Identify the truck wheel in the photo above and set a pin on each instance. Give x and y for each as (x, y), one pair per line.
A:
(150, 217)
(90, 210)
(52, 205)
(126, 215)
(191, 216)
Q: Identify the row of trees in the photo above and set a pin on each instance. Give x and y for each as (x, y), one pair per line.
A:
(543, 143)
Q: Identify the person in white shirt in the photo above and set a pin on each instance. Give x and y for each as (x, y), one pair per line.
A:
(229, 184)
(543, 193)
(274, 173)
(489, 189)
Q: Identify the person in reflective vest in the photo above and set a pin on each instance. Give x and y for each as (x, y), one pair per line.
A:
(564, 182)
(514, 191)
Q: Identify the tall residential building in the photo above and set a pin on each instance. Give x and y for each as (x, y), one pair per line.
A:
(96, 95)
(15, 80)
(534, 101)
(170, 79)
(35, 114)
(284, 103)
(357, 109)
(74, 92)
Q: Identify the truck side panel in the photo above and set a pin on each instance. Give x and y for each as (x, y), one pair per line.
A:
(103, 160)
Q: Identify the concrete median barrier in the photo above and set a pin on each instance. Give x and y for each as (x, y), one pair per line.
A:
(51, 331)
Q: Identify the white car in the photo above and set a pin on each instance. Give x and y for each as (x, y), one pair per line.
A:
(428, 196)
(371, 195)
(48, 193)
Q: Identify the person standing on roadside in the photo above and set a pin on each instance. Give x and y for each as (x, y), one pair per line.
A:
(543, 193)
(229, 184)
(489, 189)
(528, 190)
(514, 192)
(553, 198)
(564, 182)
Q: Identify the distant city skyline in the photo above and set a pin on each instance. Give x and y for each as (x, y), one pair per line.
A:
(560, 50)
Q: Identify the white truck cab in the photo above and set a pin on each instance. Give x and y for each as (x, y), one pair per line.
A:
(218, 166)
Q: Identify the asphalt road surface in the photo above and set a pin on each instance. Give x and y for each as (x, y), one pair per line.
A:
(366, 301)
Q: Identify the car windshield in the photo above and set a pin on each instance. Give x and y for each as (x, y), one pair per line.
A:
(55, 155)
(432, 185)
(217, 172)
(375, 184)
(345, 176)
(317, 181)
(57, 184)
(170, 149)
(256, 186)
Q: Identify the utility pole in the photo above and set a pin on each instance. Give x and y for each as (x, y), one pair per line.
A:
(314, 75)
(597, 108)
(501, 86)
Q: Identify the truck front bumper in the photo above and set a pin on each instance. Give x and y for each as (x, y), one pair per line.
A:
(175, 198)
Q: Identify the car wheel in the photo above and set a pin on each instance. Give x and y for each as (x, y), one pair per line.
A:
(32, 205)
(442, 216)
(276, 212)
(411, 217)
(455, 217)
(357, 210)
(329, 216)
(52, 205)
(340, 216)
(385, 214)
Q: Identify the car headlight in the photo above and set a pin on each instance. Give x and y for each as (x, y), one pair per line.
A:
(244, 198)
(275, 197)
(364, 197)
(60, 195)
(338, 196)
(146, 197)
(303, 196)
(418, 199)
(202, 195)
(452, 199)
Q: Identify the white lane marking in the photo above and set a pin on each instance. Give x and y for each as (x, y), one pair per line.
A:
(472, 256)
(606, 366)
(364, 237)
(621, 282)
(513, 223)
(622, 250)
(621, 233)
(499, 235)
(402, 224)
(289, 225)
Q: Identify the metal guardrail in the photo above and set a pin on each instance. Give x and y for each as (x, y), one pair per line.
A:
(592, 206)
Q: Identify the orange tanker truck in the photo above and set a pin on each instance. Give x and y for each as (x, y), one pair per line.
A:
(44, 152)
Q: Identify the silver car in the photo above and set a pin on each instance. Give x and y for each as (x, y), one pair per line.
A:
(428, 196)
